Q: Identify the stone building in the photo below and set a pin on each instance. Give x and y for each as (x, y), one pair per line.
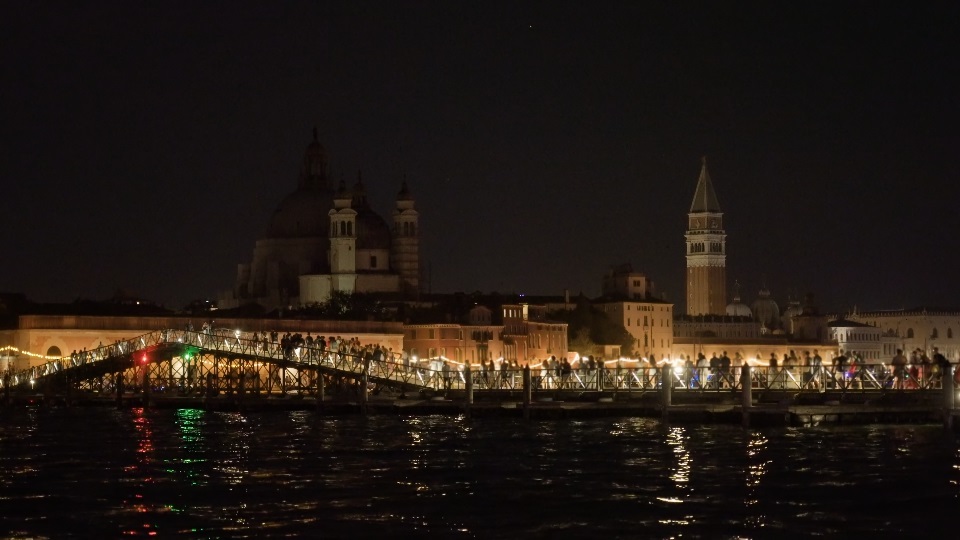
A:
(520, 333)
(323, 239)
(854, 337)
(649, 321)
(706, 251)
(918, 328)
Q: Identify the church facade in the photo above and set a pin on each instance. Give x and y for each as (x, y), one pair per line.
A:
(323, 239)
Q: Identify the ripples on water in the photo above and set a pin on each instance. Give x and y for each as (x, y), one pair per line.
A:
(105, 473)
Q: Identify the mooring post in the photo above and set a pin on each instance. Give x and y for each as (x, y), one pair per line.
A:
(364, 378)
(469, 382)
(320, 391)
(146, 385)
(666, 391)
(746, 394)
(118, 378)
(241, 387)
(949, 395)
(47, 392)
(527, 392)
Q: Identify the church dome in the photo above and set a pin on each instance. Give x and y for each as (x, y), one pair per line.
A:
(793, 309)
(372, 230)
(738, 309)
(766, 310)
(302, 214)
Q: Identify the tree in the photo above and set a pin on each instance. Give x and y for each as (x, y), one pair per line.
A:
(588, 327)
(582, 343)
(346, 306)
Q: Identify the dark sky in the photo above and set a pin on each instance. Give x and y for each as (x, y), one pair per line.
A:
(145, 145)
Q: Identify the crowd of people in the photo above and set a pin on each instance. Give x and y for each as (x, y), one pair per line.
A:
(807, 370)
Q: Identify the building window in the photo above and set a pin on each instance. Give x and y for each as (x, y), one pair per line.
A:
(373, 261)
(949, 333)
(934, 334)
(432, 334)
(909, 333)
(54, 351)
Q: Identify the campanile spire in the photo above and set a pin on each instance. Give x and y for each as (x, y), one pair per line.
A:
(706, 250)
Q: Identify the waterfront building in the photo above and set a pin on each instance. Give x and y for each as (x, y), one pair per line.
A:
(863, 340)
(323, 239)
(649, 321)
(918, 328)
(520, 333)
(706, 251)
(622, 281)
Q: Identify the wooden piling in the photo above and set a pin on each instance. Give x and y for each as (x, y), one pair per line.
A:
(949, 396)
(320, 391)
(469, 384)
(118, 379)
(746, 394)
(364, 378)
(666, 391)
(527, 392)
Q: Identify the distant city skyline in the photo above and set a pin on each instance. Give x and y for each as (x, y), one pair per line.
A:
(147, 147)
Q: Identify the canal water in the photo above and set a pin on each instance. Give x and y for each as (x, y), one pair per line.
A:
(106, 473)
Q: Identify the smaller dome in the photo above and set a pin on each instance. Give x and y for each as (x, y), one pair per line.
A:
(792, 310)
(738, 309)
(765, 309)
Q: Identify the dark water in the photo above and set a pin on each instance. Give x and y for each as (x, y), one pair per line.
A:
(103, 473)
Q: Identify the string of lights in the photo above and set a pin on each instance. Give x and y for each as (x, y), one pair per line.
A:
(12, 349)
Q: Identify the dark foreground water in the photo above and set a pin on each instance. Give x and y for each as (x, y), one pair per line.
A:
(104, 473)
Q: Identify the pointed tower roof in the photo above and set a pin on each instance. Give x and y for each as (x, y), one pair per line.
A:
(705, 198)
(404, 194)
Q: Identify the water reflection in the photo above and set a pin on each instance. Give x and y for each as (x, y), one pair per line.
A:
(214, 475)
(141, 472)
(680, 470)
(757, 467)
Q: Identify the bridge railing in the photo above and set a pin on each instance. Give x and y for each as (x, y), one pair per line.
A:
(441, 374)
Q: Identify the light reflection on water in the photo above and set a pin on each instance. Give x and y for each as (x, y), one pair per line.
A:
(137, 472)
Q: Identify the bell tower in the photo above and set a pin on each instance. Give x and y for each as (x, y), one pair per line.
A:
(405, 246)
(706, 251)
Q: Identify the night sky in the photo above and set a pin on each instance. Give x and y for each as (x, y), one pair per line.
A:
(145, 145)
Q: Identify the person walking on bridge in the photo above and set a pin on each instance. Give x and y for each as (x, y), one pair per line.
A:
(899, 363)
